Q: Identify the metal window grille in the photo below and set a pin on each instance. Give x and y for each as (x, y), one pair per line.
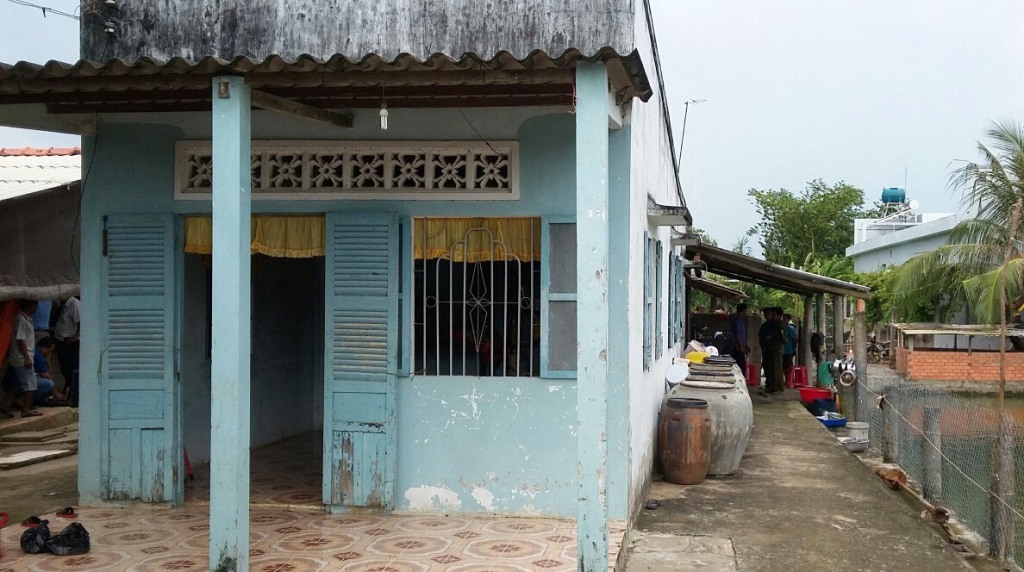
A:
(477, 315)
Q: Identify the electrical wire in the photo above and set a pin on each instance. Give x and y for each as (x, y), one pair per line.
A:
(81, 196)
(45, 9)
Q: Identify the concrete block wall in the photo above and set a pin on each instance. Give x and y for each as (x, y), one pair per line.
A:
(937, 365)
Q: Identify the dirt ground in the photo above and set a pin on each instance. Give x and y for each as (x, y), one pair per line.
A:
(39, 490)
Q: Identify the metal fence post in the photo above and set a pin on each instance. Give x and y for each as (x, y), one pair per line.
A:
(892, 427)
(1002, 498)
(932, 454)
(860, 361)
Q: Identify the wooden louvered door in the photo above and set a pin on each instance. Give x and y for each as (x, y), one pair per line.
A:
(360, 360)
(140, 447)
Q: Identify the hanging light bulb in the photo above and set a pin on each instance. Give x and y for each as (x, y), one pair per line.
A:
(383, 115)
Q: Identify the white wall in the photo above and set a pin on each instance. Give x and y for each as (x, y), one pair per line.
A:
(651, 173)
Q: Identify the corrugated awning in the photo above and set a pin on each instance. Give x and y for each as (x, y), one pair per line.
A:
(757, 271)
(713, 288)
(148, 85)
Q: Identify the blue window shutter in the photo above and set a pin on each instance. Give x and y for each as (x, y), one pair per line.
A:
(558, 303)
(361, 359)
(672, 300)
(140, 446)
(659, 318)
(647, 301)
(679, 298)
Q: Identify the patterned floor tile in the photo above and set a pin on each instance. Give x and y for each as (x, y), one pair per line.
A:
(285, 537)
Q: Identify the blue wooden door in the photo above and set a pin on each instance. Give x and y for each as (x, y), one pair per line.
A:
(360, 360)
(140, 447)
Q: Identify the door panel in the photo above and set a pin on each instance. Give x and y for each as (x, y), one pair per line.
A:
(360, 362)
(140, 449)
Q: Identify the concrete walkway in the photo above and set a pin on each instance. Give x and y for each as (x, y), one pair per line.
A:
(799, 502)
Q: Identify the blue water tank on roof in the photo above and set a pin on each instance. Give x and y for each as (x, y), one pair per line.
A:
(894, 195)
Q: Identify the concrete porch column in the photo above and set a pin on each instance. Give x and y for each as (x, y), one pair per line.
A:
(229, 376)
(592, 317)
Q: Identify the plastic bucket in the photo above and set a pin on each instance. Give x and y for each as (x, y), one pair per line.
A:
(858, 430)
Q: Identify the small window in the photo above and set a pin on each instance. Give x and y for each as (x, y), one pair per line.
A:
(559, 305)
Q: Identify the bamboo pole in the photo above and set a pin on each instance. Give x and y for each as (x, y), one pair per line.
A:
(1001, 545)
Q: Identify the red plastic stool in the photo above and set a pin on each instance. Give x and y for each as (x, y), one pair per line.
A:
(3, 523)
(753, 379)
(796, 377)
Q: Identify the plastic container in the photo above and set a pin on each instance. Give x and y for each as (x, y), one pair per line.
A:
(684, 440)
(809, 394)
(858, 430)
(833, 421)
(854, 445)
(822, 406)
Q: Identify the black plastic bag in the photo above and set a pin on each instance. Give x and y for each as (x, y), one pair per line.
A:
(34, 539)
(74, 539)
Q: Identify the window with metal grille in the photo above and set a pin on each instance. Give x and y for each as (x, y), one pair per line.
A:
(477, 296)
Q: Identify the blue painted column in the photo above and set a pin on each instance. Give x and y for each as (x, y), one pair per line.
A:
(592, 316)
(229, 394)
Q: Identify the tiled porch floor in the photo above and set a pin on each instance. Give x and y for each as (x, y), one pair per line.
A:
(291, 533)
(153, 539)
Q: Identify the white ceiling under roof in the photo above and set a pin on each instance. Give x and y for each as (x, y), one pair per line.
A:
(22, 175)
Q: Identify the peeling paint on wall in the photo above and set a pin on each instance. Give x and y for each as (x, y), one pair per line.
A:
(484, 497)
(428, 498)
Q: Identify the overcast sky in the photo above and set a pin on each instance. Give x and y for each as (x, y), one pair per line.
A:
(864, 91)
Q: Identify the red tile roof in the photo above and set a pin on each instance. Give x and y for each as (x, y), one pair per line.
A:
(39, 151)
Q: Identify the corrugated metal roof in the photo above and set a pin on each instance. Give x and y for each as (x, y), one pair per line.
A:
(626, 71)
(756, 271)
(27, 170)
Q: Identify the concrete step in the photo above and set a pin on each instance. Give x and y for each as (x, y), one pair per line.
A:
(51, 417)
(24, 458)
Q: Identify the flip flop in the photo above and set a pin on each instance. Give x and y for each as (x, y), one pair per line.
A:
(31, 522)
(32, 413)
(67, 512)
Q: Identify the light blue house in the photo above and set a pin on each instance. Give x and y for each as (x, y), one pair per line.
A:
(437, 233)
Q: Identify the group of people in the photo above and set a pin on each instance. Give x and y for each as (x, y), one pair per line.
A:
(35, 336)
(778, 339)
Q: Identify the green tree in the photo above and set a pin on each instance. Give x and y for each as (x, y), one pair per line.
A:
(964, 272)
(816, 224)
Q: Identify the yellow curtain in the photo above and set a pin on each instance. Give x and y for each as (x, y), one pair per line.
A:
(477, 239)
(273, 235)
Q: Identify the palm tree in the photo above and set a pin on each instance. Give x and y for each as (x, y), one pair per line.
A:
(964, 272)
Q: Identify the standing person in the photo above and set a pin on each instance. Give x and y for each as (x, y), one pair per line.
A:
(771, 338)
(19, 359)
(738, 329)
(789, 349)
(66, 332)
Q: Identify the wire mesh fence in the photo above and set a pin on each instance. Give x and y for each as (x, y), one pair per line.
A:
(948, 441)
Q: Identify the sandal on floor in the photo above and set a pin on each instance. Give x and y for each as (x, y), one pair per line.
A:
(32, 413)
(67, 512)
(31, 522)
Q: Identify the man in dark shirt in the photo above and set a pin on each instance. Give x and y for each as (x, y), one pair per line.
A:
(738, 329)
(772, 339)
